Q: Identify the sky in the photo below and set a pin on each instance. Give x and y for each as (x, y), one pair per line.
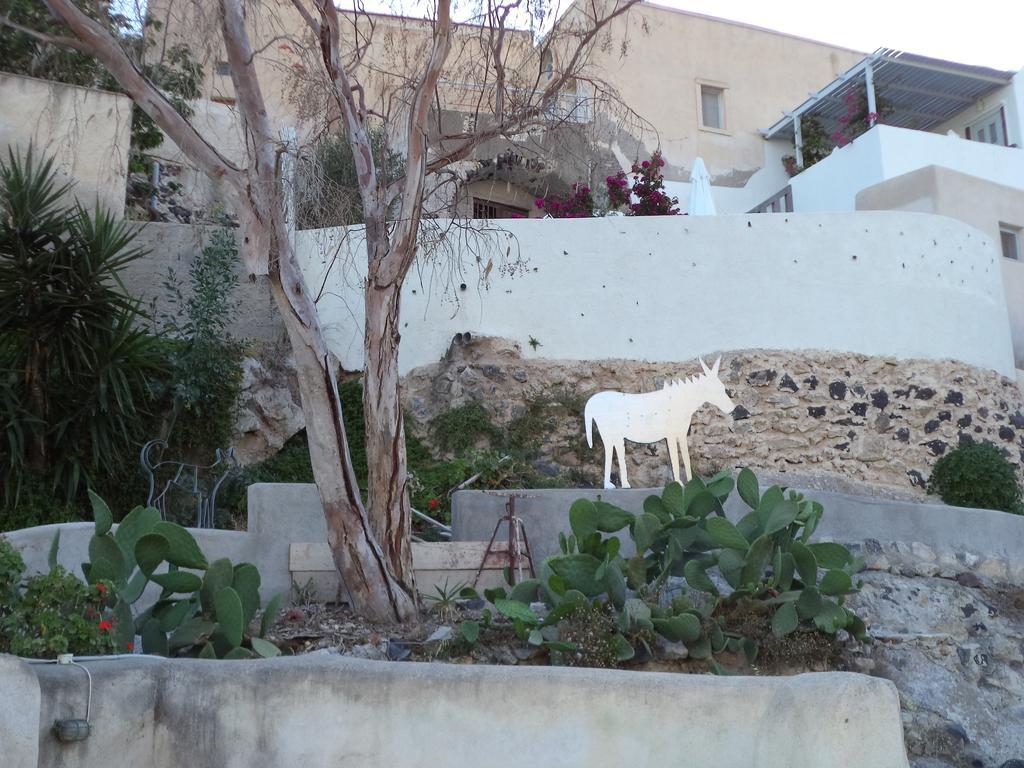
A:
(990, 34)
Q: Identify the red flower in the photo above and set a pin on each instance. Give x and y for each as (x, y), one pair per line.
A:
(433, 503)
(101, 588)
(130, 645)
(106, 625)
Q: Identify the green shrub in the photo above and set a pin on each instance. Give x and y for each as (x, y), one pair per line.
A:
(977, 475)
(458, 429)
(767, 560)
(42, 616)
(199, 397)
(11, 569)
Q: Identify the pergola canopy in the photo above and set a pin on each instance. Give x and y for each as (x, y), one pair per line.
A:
(919, 92)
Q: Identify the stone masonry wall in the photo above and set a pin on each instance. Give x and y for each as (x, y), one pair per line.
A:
(850, 417)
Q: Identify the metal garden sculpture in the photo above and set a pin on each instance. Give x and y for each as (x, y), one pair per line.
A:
(650, 417)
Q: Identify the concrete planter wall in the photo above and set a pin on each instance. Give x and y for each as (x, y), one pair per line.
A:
(934, 537)
(334, 712)
(927, 537)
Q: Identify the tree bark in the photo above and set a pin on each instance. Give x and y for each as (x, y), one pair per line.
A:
(366, 570)
(387, 477)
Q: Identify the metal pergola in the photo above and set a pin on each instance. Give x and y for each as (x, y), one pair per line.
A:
(921, 92)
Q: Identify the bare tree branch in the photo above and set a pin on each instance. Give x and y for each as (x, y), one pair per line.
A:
(66, 42)
(404, 239)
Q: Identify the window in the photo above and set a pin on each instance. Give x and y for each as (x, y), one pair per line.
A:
(1009, 238)
(223, 68)
(990, 129)
(547, 65)
(712, 107)
(488, 209)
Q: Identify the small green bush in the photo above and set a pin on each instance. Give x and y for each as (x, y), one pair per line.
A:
(42, 616)
(977, 475)
(458, 429)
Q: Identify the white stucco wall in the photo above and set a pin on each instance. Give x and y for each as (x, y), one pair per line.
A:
(1010, 98)
(885, 152)
(670, 288)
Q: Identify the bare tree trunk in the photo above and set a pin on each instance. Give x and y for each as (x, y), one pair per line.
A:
(387, 477)
(374, 590)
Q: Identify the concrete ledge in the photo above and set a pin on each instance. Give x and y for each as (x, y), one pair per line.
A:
(279, 514)
(329, 711)
(19, 714)
(983, 534)
(282, 514)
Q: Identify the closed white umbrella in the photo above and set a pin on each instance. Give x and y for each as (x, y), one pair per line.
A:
(701, 201)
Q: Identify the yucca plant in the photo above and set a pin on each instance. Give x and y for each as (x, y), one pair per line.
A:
(75, 361)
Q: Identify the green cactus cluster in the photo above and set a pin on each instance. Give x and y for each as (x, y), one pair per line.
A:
(767, 556)
(203, 609)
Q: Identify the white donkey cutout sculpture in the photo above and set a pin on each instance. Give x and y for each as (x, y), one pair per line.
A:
(664, 414)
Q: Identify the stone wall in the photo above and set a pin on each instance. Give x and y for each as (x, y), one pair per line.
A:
(841, 418)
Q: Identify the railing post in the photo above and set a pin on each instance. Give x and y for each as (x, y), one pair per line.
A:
(869, 85)
(798, 141)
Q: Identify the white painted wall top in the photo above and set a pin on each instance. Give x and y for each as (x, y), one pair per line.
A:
(671, 288)
(885, 152)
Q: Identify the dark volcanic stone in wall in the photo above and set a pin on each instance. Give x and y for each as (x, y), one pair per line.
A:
(761, 378)
(786, 382)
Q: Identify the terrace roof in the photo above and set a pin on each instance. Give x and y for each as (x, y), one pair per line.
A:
(919, 92)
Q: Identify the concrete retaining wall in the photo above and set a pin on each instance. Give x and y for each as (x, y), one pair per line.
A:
(943, 537)
(665, 288)
(279, 514)
(175, 246)
(947, 537)
(330, 711)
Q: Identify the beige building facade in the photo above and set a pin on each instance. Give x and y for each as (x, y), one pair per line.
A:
(689, 85)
